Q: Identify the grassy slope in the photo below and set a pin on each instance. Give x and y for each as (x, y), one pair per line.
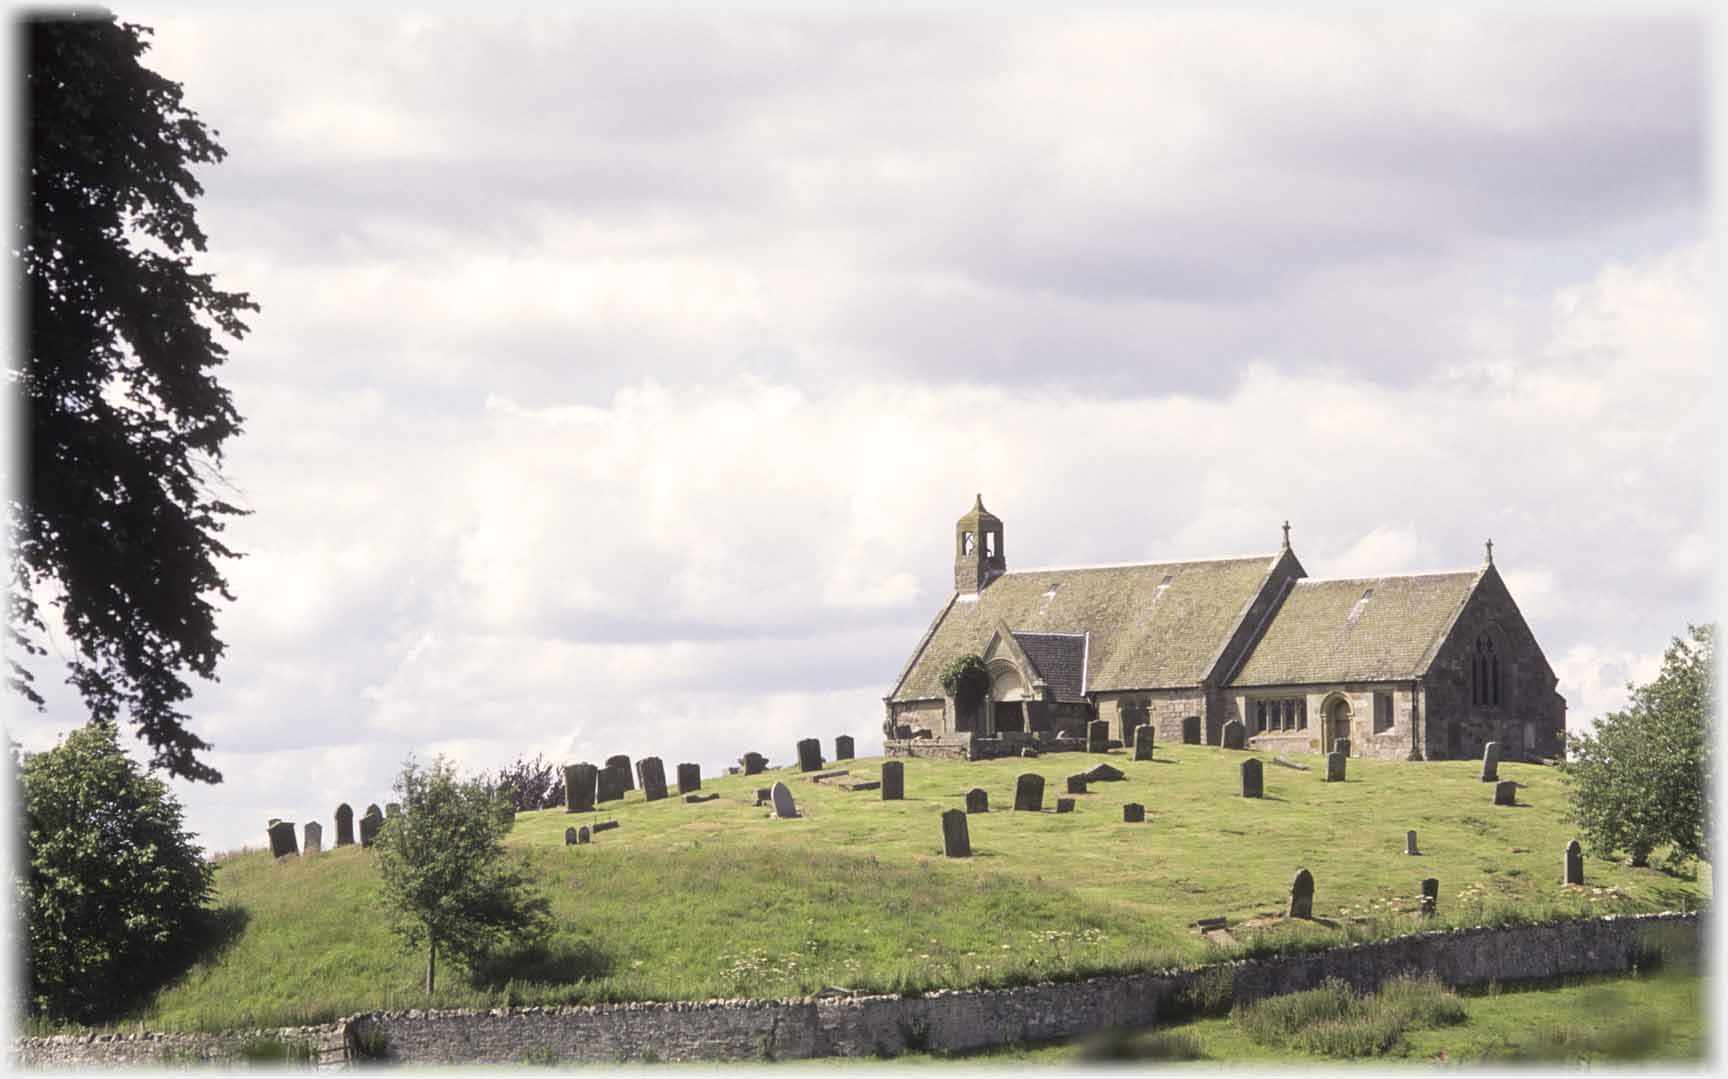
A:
(691, 901)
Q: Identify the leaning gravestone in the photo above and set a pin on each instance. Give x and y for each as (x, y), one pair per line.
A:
(1430, 896)
(956, 843)
(1077, 784)
(1097, 736)
(1143, 737)
(1104, 773)
(1302, 895)
(369, 826)
(622, 762)
(282, 839)
(1574, 864)
(784, 807)
(977, 800)
(314, 838)
(1133, 813)
(580, 780)
(1335, 767)
(1341, 745)
(1064, 805)
(1029, 793)
(653, 779)
(569, 837)
(810, 755)
(754, 763)
(689, 778)
(1491, 762)
(1410, 843)
(1253, 778)
(1506, 793)
(344, 825)
(1235, 734)
(843, 747)
(893, 781)
(611, 783)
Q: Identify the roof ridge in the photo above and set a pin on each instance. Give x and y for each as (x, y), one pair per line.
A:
(1389, 576)
(1136, 565)
(1042, 633)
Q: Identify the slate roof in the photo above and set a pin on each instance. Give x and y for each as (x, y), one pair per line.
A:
(1144, 634)
(1061, 659)
(1318, 635)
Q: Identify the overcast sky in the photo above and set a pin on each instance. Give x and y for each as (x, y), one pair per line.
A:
(618, 383)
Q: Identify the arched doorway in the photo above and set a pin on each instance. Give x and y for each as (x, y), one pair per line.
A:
(1335, 724)
(1008, 694)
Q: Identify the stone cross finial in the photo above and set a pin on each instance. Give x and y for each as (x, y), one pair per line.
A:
(1489, 546)
(1286, 535)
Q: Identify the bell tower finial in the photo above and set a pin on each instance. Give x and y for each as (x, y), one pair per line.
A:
(1489, 549)
(1286, 535)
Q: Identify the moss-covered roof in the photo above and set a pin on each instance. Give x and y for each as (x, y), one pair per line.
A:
(1324, 632)
(1152, 626)
(1061, 659)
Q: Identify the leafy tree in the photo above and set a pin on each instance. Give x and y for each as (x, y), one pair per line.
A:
(116, 890)
(536, 784)
(1640, 781)
(444, 868)
(124, 419)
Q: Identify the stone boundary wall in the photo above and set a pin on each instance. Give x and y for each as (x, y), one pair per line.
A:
(952, 1020)
(324, 1046)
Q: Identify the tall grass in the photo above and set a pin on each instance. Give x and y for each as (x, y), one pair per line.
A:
(1336, 1021)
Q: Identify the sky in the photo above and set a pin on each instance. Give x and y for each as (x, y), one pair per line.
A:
(618, 382)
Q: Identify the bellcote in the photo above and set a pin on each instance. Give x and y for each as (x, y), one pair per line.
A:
(978, 554)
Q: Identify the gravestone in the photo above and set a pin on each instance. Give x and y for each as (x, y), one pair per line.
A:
(784, 807)
(1190, 730)
(1410, 843)
(579, 783)
(603, 826)
(1341, 745)
(569, 837)
(622, 761)
(763, 794)
(314, 838)
(689, 778)
(1064, 805)
(282, 839)
(1491, 762)
(1505, 793)
(843, 747)
(955, 841)
(344, 825)
(893, 781)
(693, 799)
(1430, 896)
(1253, 779)
(810, 755)
(369, 826)
(373, 811)
(392, 809)
(866, 785)
(1029, 793)
(653, 779)
(1574, 864)
(1076, 784)
(611, 783)
(1143, 742)
(977, 800)
(1097, 736)
(1335, 766)
(1105, 773)
(583, 835)
(754, 763)
(1302, 895)
(1133, 813)
(1235, 734)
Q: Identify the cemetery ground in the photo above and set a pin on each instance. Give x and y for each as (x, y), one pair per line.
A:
(717, 899)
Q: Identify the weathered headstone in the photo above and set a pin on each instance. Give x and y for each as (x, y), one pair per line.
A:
(1097, 736)
(893, 781)
(605, 825)
(1341, 745)
(1143, 737)
(1064, 805)
(314, 843)
(1235, 734)
(754, 763)
(1335, 767)
(373, 811)
(956, 843)
(1491, 762)
(1410, 843)
(344, 825)
(763, 794)
(369, 826)
(834, 773)
(653, 779)
(1302, 895)
(1574, 864)
(583, 835)
(1430, 896)
(843, 747)
(1133, 813)
(282, 839)
(784, 807)
(611, 783)
(1029, 793)
(1253, 778)
(977, 800)
(392, 809)
(1505, 793)
(810, 755)
(1077, 784)
(569, 837)
(621, 761)
(689, 778)
(1104, 773)
(695, 798)
(580, 780)
(865, 785)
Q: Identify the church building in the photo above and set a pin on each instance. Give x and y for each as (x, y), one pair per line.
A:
(1419, 666)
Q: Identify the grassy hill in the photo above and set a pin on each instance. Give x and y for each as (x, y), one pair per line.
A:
(719, 900)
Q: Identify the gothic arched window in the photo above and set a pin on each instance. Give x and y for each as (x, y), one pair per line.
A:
(1485, 674)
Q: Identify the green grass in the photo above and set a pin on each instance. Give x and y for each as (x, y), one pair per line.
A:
(718, 900)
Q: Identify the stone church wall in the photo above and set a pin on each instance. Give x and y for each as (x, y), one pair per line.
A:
(1390, 743)
(1165, 709)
